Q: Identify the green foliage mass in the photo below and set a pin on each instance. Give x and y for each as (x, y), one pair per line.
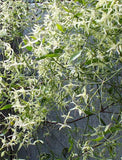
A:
(69, 61)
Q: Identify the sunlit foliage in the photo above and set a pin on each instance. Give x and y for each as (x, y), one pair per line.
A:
(69, 59)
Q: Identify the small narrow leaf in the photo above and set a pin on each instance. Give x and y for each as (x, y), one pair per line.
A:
(58, 50)
(83, 1)
(43, 40)
(60, 28)
(102, 121)
(71, 144)
(75, 56)
(98, 139)
(1, 102)
(33, 37)
(25, 41)
(91, 127)
(29, 48)
(66, 9)
(78, 15)
(107, 127)
(8, 106)
(48, 56)
(88, 112)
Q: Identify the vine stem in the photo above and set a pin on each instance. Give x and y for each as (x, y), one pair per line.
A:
(75, 120)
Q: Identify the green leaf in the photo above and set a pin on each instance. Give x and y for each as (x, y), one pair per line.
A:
(78, 15)
(33, 37)
(58, 50)
(115, 128)
(98, 139)
(25, 41)
(75, 56)
(66, 9)
(44, 110)
(53, 55)
(91, 127)
(60, 28)
(1, 102)
(83, 1)
(48, 56)
(29, 48)
(71, 144)
(8, 106)
(88, 112)
(88, 62)
(102, 122)
(107, 127)
(43, 40)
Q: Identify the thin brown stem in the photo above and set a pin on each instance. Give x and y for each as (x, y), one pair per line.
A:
(75, 120)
